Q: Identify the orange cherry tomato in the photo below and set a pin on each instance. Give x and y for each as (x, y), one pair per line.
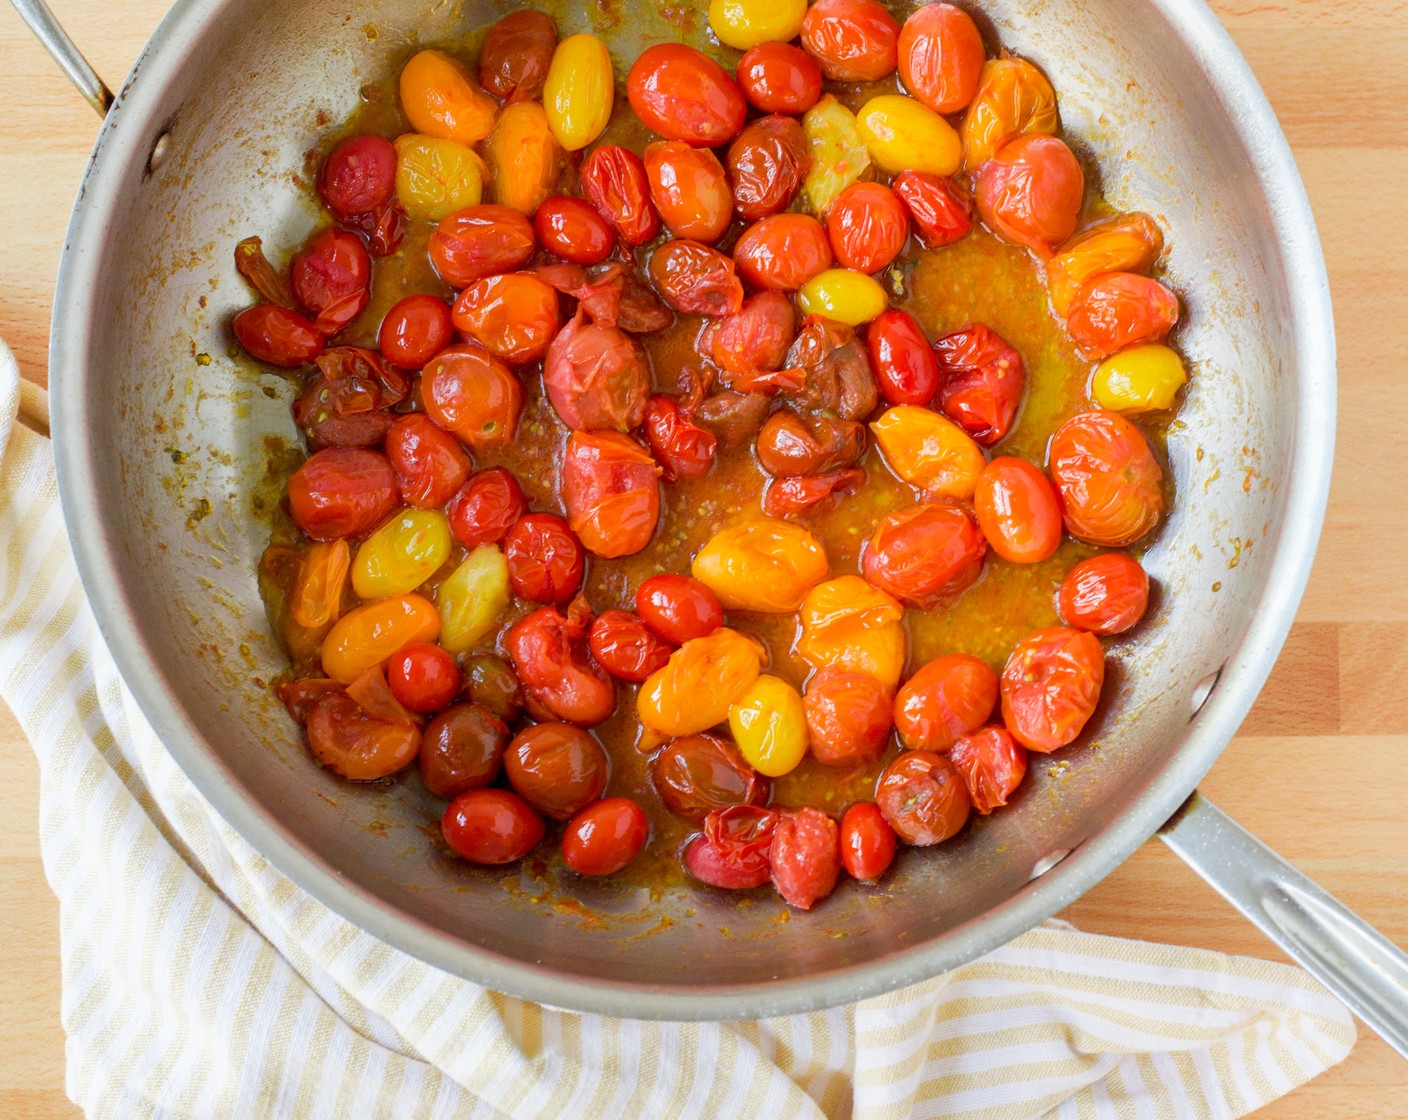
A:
(468, 391)
(982, 382)
(1124, 243)
(1106, 594)
(625, 647)
(852, 40)
(614, 181)
(941, 56)
(941, 211)
(514, 61)
(414, 331)
(440, 99)
(783, 252)
(848, 624)
(1050, 686)
(701, 681)
(1111, 485)
(1018, 511)
(480, 241)
(597, 377)
(779, 78)
(1120, 309)
(609, 484)
(514, 317)
(694, 278)
(684, 94)
(900, 355)
(923, 798)
(867, 842)
(523, 156)
(678, 608)
(605, 837)
(805, 856)
(572, 229)
(429, 462)
(761, 565)
(766, 165)
(946, 699)
(545, 559)
(366, 637)
(555, 666)
(928, 450)
(317, 594)
(1031, 191)
(491, 826)
(689, 189)
(342, 492)
(849, 716)
(867, 226)
(557, 768)
(1013, 99)
(354, 744)
(992, 765)
(926, 554)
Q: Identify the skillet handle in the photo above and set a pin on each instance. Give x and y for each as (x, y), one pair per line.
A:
(1365, 970)
(55, 40)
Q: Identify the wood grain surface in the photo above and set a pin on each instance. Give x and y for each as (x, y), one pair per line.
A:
(1317, 771)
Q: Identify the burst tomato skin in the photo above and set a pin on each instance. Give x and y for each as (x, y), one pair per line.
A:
(491, 826)
(766, 166)
(480, 241)
(574, 230)
(925, 554)
(941, 211)
(597, 377)
(923, 798)
(1050, 687)
(342, 492)
(355, 745)
(992, 766)
(755, 338)
(545, 559)
(852, 40)
(696, 279)
(849, 715)
(614, 181)
(945, 700)
(779, 78)
(868, 842)
(1120, 309)
(1030, 193)
(554, 665)
(690, 190)
(429, 462)
(610, 489)
(1106, 594)
(277, 335)
(414, 331)
(330, 277)
(733, 851)
(904, 363)
(514, 317)
(981, 385)
(1110, 484)
(685, 95)
(805, 856)
(681, 447)
(514, 61)
(867, 226)
(625, 647)
(604, 837)
(807, 494)
(470, 392)
(1018, 511)
(783, 252)
(678, 608)
(485, 508)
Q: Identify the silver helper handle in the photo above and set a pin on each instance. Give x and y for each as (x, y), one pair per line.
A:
(41, 21)
(1365, 970)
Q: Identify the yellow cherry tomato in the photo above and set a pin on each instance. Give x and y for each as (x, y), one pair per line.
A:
(851, 625)
(1139, 379)
(579, 91)
(434, 178)
(440, 99)
(1013, 99)
(700, 682)
(473, 598)
(364, 638)
(839, 155)
(903, 135)
(317, 593)
(929, 450)
(744, 24)
(769, 725)
(763, 565)
(524, 159)
(843, 294)
(402, 554)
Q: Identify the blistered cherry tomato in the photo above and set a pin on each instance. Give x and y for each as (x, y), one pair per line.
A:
(941, 57)
(947, 698)
(316, 599)
(694, 278)
(597, 378)
(625, 647)
(610, 490)
(742, 24)
(468, 391)
(491, 826)
(698, 774)
(545, 558)
(1120, 309)
(462, 749)
(1018, 511)
(573, 230)
(414, 331)
(783, 252)
(838, 380)
(681, 447)
(678, 608)
(848, 624)
(277, 335)
(849, 715)
(513, 63)
(440, 99)
(1031, 192)
(348, 404)
(793, 497)
(1123, 243)
(523, 157)
(779, 78)
(992, 766)
(805, 856)
(700, 683)
(423, 677)
(359, 175)
(685, 95)
(761, 565)
(853, 40)
(604, 837)
(867, 842)
(491, 683)
(926, 554)
(923, 798)
(940, 209)
(928, 450)
(614, 181)
(904, 363)
(514, 317)
(429, 462)
(689, 189)
(733, 851)
(1111, 485)
(579, 91)
(557, 768)
(354, 744)
(366, 637)
(867, 226)
(790, 445)
(1013, 99)
(757, 336)
(485, 508)
(766, 166)
(982, 382)
(1050, 686)
(342, 492)
(1105, 594)
(555, 667)
(480, 241)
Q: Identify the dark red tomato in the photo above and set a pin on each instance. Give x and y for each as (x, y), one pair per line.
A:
(555, 667)
(597, 377)
(545, 558)
(1105, 594)
(678, 608)
(605, 837)
(683, 94)
(941, 56)
(514, 317)
(992, 766)
(853, 40)
(557, 768)
(836, 372)
(1031, 192)
(1120, 309)
(423, 677)
(348, 404)
(947, 698)
(939, 208)
(359, 176)
(926, 554)
(614, 181)
(868, 226)
(733, 417)
(609, 485)
(867, 842)
(514, 60)
(1050, 686)
(982, 382)
(462, 749)
(625, 647)
(733, 852)
(1018, 511)
(697, 774)
(766, 165)
(485, 508)
(783, 252)
(1111, 485)
(330, 277)
(430, 464)
(757, 336)
(905, 367)
(277, 335)
(492, 684)
(572, 229)
(923, 798)
(689, 189)
(848, 716)
(480, 241)
(415, 330)
(468, 391)
(491, 826)
(681, 447)
(790, 445)
(342, 492)
(779, 78)
(793, 497)
(805, 856)
(355, 745)
(695, 279)
(384, 228)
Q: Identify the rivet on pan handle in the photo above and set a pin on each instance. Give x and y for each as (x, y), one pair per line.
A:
(61, 49)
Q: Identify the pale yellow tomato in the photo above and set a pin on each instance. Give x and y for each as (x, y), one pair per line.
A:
(839, 155)
(435, 177)
(473, 598)
(764, 565)
(902, 135)
(1139, 379)
(402, 554)
(845, 295)
(769, 724)
(744, 24)
(579, 91)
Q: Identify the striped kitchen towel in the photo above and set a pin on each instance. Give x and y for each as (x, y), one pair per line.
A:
(200, 983)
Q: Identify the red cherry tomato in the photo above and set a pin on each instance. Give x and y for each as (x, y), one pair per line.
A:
(462, 749)
(1018, 511)
(356, 745)
(545, 558)
(277, 335)
(1111, 485)
(414, 331)
(573, 230)
(947, 698)
(689, 189)
(1050, 686)
(342, 492)
(805, 856)
(849, 716)
(757, 336)
(597, 377)
(480, 241)
(941, 56)
(926, 554)
(693, 278)
(867, 842)
(1031, 192)
(982, 382)
(685, 95)
(491, 826)
(940, 209)
(603, 838)
(468, 391)
(359, 176)
(681, 447)
(1105, 595)
(733, 851)
(853, 40)
(514, 61)
(330, 277)
(790, 444)
(557, 768)
(423, 677)
(485, 508)
(614, 181)
(698, 774)
(514, 317)
(609, 484)
(625, 647)
(783, 252)
(779, 78)
(766, 166)
(923, 798)
(1120, 309)
(430, 464)
(903, 361)
(678, 608)
(792, 497)
(992, 766)
(555, 667)
(868, 226)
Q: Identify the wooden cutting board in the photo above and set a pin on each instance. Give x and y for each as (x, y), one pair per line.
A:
(1318, 770)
